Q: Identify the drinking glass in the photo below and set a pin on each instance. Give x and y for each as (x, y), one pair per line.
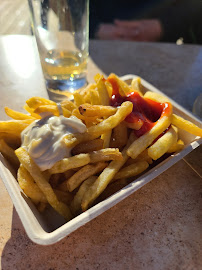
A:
(61, 29)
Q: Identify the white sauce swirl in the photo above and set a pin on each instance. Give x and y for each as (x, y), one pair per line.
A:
(43, 139)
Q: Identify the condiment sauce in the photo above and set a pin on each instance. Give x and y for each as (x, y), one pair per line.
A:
(43, 139)
(144, 109)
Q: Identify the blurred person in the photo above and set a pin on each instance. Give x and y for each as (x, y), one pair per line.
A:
(151, 20)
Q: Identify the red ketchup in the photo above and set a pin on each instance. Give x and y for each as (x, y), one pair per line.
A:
(144, 109)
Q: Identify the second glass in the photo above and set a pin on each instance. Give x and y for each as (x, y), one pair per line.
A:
(61, 29)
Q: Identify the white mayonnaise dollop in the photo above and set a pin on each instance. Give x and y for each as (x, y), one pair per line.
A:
(43, 139)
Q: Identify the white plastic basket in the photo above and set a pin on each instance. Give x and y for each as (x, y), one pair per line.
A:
(50, 228)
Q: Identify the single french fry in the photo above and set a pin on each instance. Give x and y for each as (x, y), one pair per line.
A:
(156, 97)
(31, 112)
(14, 126)
(68, 104)
(78, 99)
(76, 202)
(106, 154)
(186, 125)
(104, 179)
(96, 110)
(85, 172)
(109, 88)
(71, 140)
(124, 88)
(161, 146)
(176, 147)
(42, 183)
(104, 99)
(140, 144)
(94, 132)
(92, 119)
(136, 85)
(106, 137)
(94, 96)
(17, 115)
(102, 90)
(87, 147)
(35, 102)
(53, 109)
(30, 188)
(132, 170)
(9, 153)
(70, 163)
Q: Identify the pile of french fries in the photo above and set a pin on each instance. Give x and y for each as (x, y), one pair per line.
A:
(107, 153)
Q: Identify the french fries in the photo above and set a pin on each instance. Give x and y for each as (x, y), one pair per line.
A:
(96, 110)
(53, 109)
(176, 147)
(106, 154)
(136, 85)
(145, 140)
(15, 126)
(85, 172)
(9, 153)
(104, 179)
(97, 130)
(186, 125)
(42, 183)
(17, 115)
(121, 140)
(35, 102)
(83, 159)
(132, 170)
(76, 202)
(70, 163)
(28, 185)
(162, 145)
(124, 89)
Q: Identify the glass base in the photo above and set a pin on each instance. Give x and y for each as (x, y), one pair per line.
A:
(61, 89)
